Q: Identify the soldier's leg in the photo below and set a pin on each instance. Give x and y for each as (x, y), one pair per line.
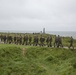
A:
(72, 46)
(42, 43)
(61, 44)
(47, 44)
(50, 44)
(69, 45)
(58, 45)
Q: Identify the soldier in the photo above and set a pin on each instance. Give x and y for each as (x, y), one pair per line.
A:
(30, 40)
(15, 39)
(35, 42)
(47, 41)
(50, 41)
(59, 42)
(1, 38)
(71, 42)
(20, 39)
(4, 38)
(9, 39)
(25, 40)
(42, 39)
(55, 41)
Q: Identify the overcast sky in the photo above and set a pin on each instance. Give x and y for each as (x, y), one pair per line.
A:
(34, 15)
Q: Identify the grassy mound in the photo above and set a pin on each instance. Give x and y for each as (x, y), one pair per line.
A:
(37, 61)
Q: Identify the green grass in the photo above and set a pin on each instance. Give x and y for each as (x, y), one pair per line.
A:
(36, 61)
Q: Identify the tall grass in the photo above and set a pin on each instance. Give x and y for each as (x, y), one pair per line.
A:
(36, 61)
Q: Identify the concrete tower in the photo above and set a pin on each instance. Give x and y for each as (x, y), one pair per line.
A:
(43, 30)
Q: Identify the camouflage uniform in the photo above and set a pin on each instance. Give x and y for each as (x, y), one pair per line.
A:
(55, 41)
(25, 40)
(9, 39)
(42, 39)
(1, 38)
(35, 43)
(4, 38)
(59, 44)
(15, 39)
(20, 39)
(50, 41)
(71, 42)
(30, 40)
(47, 41)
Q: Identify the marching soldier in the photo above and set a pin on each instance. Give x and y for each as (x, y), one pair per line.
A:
(35, 43)
(15, 39)
(20, 39)
(4, 38)
(42, 39)
(55, 41)
(25, 40)
(30, 40)
(50, 41)
(59, 42)
(47, 41)
(71, 42)
(9, 39)
(1, 38)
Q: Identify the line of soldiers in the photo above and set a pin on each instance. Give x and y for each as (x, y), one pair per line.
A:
(28, 40)
(58, 41)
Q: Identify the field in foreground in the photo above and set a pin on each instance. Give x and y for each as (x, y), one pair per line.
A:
(36, 61)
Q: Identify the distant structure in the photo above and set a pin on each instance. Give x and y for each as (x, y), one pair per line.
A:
(40, 32)
(43, 30)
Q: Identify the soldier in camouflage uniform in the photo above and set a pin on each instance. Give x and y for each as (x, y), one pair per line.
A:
(4, 38)
(1, 38)
(35, 42)
(71, 42)
(42, 39)
(30, 40)
(59, 44)
(9, 39)
(55, 41)
(47, 41)
(15, 39)
(20, 40)
(50, 41)
(25, 40)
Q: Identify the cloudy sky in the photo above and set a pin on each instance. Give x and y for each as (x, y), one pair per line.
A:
(34, 15)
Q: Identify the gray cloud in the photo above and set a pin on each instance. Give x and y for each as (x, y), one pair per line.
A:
(58, 15)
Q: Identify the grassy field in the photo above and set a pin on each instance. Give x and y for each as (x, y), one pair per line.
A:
(36, 61)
